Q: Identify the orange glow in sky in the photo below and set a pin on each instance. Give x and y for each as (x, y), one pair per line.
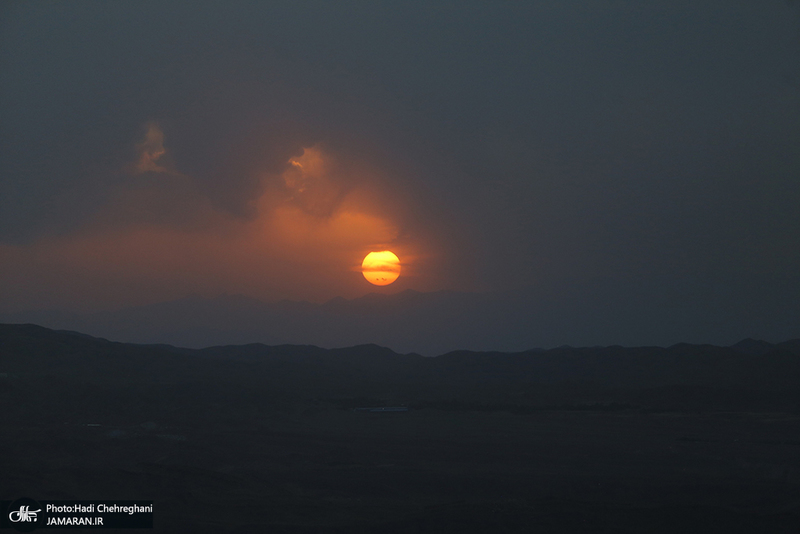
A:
(163, 239)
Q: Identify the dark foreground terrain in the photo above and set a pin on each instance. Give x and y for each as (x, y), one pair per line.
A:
(266, 439)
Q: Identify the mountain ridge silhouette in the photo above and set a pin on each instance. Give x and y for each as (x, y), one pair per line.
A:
(427, 323)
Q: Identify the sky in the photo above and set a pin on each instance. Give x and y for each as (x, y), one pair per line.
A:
(640, 152)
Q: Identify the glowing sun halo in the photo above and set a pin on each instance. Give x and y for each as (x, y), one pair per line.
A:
(381, 268)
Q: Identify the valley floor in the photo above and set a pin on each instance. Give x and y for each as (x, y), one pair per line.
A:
(316, 468)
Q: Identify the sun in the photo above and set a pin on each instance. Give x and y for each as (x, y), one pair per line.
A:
(381, 268)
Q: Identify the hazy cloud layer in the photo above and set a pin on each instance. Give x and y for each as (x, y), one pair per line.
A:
(150, 150)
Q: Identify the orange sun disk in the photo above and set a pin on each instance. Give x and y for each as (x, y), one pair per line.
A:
(381, 268)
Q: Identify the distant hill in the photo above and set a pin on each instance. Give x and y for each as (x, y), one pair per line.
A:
(426, 323)
(679, 377)
(753, 346)
(408, 321)
(268, 438)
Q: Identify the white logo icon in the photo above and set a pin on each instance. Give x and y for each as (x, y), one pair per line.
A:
(24, 515)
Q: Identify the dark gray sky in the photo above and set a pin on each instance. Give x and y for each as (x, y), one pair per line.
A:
(643, 152)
